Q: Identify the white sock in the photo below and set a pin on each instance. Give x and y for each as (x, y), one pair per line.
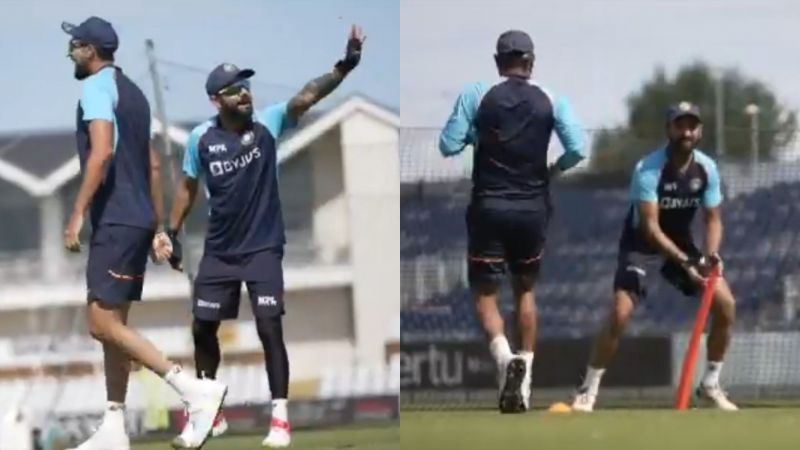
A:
(181, 381)
(592, 380)
(528, 358)
(711, 377)
(501, 351)
(115, 411)
(279, 410)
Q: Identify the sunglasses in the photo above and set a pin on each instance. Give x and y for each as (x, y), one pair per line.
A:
(236, 89)
(75, 44)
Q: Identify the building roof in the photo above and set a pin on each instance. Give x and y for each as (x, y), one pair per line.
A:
(41, 162)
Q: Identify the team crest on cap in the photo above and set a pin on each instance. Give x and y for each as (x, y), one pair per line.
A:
(695, 184)
(685, 106)
(229, 68)
(247, 138)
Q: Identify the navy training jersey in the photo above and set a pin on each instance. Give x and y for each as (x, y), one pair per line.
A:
(241, 179)
(678, 193)
(510, 125)
(123, 197)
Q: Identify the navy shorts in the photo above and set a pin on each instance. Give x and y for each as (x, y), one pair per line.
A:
(633, 269)
(117, 261)
(218, 285)
(500, 238)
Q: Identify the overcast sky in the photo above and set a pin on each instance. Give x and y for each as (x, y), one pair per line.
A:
(287, 42)
(595, 52)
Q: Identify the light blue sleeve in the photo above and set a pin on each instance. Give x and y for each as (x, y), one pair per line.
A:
(192, 167)
(98, 97)
(276, 119)
(459, 131)
(712, 197)
(644, 186)
(570, 133)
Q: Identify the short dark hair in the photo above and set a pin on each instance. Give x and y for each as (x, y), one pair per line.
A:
(104, 54)
(513, 60)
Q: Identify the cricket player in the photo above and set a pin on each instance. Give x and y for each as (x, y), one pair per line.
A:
(120, 189)
(667, 188)
(235, 154)
(510, 124)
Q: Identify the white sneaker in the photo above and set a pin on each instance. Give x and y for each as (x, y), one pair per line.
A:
(583, 400)
(511, 396)
(714, 394)
(203, 405)
(279, 434)
(111, 435)
(525, 389)
(220, 425)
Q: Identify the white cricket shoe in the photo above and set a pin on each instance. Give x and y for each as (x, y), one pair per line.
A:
(203, 404)
(512, 398)
(111, 435)
(583, 400)
(279, 434)
(714, 394)
(220, 425)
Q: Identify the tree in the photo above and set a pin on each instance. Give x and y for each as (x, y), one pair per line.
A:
(617, 149)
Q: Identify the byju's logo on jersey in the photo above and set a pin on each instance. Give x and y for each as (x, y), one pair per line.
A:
(678, 202)
(216, 149)
(267, 300)
(218, 168)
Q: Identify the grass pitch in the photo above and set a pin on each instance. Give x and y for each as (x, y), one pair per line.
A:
(377, 438)
(766, 428)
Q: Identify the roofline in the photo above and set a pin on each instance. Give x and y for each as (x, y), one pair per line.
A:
(42, 187)
(331, 118)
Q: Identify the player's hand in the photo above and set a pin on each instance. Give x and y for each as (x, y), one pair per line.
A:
(352, 53)
(162, 248)
(694, 268)
(176, 255)
(72, 233)
(715, 260)
(553, 172)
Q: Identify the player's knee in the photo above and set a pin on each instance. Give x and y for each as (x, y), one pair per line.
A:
(485, 287)
(523, 283)
(270, 330)
(204, 330)
(98, 329)
(620, 314)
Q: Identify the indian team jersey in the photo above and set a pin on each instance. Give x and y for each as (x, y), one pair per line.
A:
(240, 174)
(678, 193)
(510, 125)
(123, 198)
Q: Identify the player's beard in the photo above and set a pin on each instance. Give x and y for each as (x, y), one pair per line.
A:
(81, 72)
(238, 112)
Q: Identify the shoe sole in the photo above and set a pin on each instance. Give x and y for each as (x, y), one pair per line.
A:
(511, 401)
(208, 435)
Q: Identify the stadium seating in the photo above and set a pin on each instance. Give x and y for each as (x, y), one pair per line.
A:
(761, 246)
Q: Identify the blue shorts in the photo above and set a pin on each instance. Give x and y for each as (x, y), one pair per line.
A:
(117, 261)
(633, 268)
(500, 239)
(218, 285)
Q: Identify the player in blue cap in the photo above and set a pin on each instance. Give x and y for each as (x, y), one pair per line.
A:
(669, 185)
(510, 124)
(120, 189)
(235, 154)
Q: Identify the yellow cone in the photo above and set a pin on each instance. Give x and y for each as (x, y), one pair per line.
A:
(559, 407)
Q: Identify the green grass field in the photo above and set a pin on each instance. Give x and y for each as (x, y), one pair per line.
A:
(377, 438)
(768, 428)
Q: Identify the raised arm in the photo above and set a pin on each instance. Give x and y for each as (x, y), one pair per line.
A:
(318, 88)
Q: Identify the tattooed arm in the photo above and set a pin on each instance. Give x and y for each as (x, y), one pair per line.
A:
(318, 88)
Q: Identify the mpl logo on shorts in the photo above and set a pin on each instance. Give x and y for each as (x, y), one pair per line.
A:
(204, 304)
(218, 168)
(267, 300)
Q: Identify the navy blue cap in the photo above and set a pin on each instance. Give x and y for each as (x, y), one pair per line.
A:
(514, 41)
(225, 75)
(683, 109)
(95, 31)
